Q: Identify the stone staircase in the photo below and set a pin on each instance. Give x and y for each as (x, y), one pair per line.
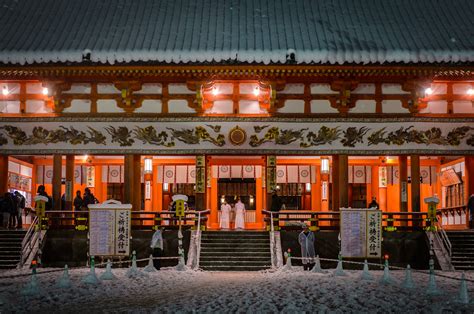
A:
(235, 251)
(10, 248)
(462, 257)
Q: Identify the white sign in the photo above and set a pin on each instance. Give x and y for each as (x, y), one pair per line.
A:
(361, 233)
(404, 191)
(109, 229)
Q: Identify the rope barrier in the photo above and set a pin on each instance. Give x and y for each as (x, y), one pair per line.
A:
(426, 272)
(39, 272)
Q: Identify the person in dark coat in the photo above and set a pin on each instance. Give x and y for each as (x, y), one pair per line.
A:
(374, 203)
(276, 202)
(78, 202)
(470, 207)
(6, 207)
(89, 198)
(13, 211)
(42, 191)
(21, 207)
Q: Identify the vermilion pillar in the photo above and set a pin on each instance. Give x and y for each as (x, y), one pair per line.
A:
(343, 181)
(57, 165)
(3, 174)
(69, 181)
(415, 183)
(469, 164)
(335, 183)
(128, 180)
(137, 183)
(402, 164)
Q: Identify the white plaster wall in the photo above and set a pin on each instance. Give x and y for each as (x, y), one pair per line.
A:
(393, 89)
(13, 88)
(365, 89)
(250, 107)
(82, 88)
(221, 106)
(292, 106)
(435, 107)
(34, 88)
(322, 89)
(463, 106)
(179, 89)
(150, 88)
(9, 106)
(364, 106)
(179, 106)
(150, 106)
(79, 106)
(293, 89)
(226, 89)
(461, 88)
(13, 167)
(393, 106)
(439, 89)
(37, 106)
(107, 89)
(322, 106)
(108, 105)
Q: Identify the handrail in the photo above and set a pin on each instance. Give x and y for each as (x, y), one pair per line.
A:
(444, 237)
(26, 246)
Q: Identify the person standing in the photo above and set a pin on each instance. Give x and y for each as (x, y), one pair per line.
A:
(21, 207)
(78, 201)
(88, 199)
(157, 247)
(225, 215)
(470, 207)
(6, 207)
(42, 191)
(374, 203)
(239, 215)
(14, 211)
(306, 240)
(276, 202)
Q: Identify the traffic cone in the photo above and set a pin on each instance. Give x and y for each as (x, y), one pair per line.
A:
(386, 278)
(317, 266)
(32, 287)
(134, 272)
(432, 288)
(463, 293)
(339, 269)
(366, 275)
(150, 267)
(91, 277)
(108, 275)
(64, 282)
(408, 282)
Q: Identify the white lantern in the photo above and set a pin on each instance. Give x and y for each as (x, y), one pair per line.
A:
(148, 165)
(324, 165)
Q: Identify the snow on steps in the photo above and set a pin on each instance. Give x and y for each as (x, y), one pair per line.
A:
(235, 251)
(462, 256)
(10, 248)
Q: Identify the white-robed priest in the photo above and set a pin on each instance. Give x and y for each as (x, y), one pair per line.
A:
(306, 240)
(225, 215)
(239, 215)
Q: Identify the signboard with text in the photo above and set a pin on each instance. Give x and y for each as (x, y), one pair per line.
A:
(361, 233)
(109, 229)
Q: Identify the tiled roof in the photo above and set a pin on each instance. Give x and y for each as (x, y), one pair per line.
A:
(247, 31)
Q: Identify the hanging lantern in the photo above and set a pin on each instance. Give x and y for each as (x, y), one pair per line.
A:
(324, 166)
(148, 165)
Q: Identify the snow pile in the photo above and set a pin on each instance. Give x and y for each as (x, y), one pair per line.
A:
(170, 291)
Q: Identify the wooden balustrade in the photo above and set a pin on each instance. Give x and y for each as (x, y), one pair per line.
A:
(328, 220)
(454, 217)
(63, 219)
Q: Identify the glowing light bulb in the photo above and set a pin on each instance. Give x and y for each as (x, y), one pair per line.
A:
(45, 91)
(428, 91)
(215, 91)
(256, 91)
(5, 90)
(470, 91)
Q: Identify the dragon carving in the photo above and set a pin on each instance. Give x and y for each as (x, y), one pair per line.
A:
(352, 135)
(196, 135)
(325, 136)
(121, 135)
(149, 135)
(283, 137)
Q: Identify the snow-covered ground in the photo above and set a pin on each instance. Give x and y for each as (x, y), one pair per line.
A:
(172, 291)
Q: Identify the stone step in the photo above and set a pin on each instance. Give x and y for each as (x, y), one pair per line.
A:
(10, 261)
(13, 231)
(234, 268)
(8, 266)
(235, 263)
(235, 253)
(266, 259)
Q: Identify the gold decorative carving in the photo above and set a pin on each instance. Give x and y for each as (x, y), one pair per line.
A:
(237, 136)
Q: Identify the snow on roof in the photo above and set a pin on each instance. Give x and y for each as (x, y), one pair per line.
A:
(247, 31)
